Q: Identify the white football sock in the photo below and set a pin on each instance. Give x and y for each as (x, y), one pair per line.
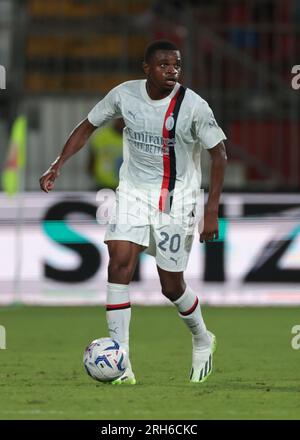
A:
(189, 309)
(118, 313)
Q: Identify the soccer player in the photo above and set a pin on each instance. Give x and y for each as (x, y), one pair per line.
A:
(166, 126)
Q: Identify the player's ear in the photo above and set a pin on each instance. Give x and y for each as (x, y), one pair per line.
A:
(146, 68)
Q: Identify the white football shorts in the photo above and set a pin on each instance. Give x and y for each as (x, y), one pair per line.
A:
(167, 237)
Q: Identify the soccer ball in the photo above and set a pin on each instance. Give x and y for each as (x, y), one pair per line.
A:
(105, 360)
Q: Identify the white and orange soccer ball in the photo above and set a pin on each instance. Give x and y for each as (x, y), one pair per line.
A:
(105, 360)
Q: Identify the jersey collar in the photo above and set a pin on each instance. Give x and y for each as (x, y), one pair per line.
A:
(157, 102)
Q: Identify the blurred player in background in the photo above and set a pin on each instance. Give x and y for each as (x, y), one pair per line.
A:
(106, 155)
(166, 126)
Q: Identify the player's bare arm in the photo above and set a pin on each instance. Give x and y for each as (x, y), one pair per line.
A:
(217, 172)
(75, 142)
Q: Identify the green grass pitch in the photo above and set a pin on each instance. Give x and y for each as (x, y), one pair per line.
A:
(256, 372)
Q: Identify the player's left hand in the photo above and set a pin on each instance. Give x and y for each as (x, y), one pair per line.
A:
(211, 229)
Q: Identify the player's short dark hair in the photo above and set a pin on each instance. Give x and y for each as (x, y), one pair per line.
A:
(158, 45)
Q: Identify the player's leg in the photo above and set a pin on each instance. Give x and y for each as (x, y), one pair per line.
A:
(123, 257)
(188, 305)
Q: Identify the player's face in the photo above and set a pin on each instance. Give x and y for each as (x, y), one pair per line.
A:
(163, 70)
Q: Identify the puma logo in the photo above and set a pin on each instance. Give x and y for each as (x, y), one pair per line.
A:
(213, 123)
(171, 258)
(132, 114)
(113, 330)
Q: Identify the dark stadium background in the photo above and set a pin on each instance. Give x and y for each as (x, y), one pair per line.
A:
(243, 57)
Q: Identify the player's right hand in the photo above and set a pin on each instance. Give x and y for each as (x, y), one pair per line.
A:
(48, 178)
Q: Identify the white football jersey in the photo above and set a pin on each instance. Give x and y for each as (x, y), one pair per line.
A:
(162, 139)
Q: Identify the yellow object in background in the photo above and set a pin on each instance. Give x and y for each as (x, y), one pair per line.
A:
(16, 159)
(107, 152)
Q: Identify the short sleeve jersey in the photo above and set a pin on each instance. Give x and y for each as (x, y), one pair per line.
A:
(162, 139)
